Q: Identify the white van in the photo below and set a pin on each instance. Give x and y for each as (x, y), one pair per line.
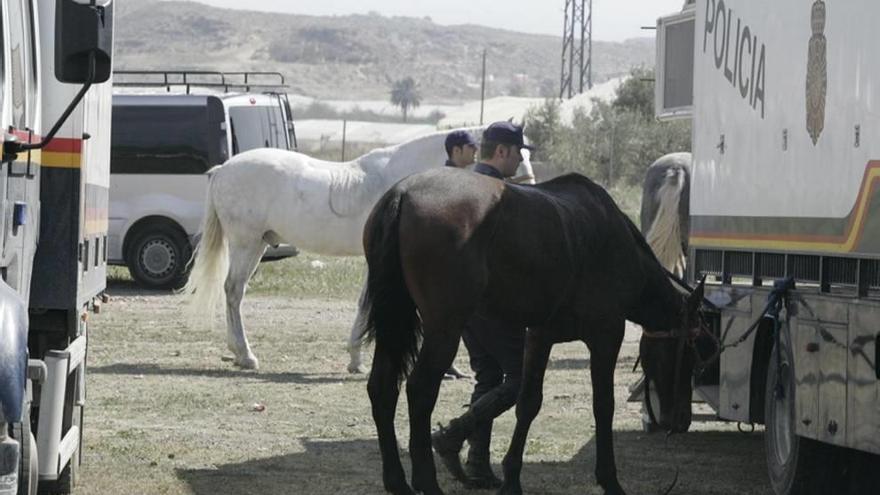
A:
(162, 145)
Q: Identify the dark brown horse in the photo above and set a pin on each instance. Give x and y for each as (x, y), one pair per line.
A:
(560, 258)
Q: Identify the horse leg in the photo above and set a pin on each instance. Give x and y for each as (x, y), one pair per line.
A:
(531, 395)
(383, 389)
(438, 351)
(243, 261)
(603, 359)
(355, 365)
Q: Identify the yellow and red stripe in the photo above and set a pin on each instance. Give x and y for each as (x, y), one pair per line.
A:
(60, 152)
(847, 242)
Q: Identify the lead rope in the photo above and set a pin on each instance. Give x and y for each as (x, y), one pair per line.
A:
(677, 465)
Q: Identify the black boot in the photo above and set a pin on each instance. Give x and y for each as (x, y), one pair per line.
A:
(447, 443)
(478, 468)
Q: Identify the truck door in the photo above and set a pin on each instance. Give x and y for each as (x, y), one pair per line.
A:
(18, 184)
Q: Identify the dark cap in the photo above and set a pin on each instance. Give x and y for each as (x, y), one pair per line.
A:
(459, 138)
(505, 133)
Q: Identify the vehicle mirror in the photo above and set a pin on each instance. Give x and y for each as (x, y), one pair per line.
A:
(83, 28)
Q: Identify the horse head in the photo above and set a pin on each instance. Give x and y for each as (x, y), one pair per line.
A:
(668, 359)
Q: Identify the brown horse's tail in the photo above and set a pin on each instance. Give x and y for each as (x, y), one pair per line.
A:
(392, 320)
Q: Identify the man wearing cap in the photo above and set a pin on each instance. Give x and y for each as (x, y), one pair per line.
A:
(461, 148)
(495, 348)
(500, 154)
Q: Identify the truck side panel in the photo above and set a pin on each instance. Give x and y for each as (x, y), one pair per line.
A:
(782, 113)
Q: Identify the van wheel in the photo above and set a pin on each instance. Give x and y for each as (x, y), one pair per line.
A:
(158, 258)
(791, 459)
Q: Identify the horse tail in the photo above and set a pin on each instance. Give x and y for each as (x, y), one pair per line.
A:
(392, 321)
(664, 235)
(210, 262)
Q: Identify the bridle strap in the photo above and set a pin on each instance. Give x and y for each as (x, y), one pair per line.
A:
(661, 335)
(679, 357)
(648, 405)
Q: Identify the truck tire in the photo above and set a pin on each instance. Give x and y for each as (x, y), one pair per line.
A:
(158, 257)
(28, 469)
(791, 459)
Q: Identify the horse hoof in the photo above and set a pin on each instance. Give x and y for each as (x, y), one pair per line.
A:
(510, 489)
(431, 491)
(357, 369)
(615, 489)
(248, 363)
(399, 489)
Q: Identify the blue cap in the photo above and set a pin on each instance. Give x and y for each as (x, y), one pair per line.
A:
(506, 133)
(459, 138)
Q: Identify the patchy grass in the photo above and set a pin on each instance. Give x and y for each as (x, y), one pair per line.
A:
(311, 275)
(306, 275)
(166, 415)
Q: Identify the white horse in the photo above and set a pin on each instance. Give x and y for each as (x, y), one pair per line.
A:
(266, 197)
(666, 208)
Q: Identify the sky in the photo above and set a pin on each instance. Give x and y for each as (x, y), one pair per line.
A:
(613, 20)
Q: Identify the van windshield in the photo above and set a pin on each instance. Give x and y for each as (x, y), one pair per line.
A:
(257, 127)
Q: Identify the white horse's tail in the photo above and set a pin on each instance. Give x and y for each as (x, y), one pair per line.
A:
(664, 237)
(210, 264)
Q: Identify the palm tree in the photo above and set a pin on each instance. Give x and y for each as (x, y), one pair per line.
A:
(405, 95)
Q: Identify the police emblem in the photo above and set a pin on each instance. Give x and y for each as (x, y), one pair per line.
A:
(817, 74)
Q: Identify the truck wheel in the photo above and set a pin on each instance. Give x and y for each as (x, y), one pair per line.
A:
(158, 258)
(790, 458)
(29, 466)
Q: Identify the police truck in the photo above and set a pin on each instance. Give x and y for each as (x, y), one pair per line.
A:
(784, 98)
(55, 102)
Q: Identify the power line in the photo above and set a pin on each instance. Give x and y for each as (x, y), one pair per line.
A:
(577, 48)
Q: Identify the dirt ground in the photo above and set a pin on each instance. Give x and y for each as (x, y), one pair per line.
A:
(167, 414)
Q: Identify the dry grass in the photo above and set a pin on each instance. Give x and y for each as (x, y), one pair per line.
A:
(166, 414)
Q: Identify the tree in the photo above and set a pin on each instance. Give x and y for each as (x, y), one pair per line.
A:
(405, 94)
(636, 94)
(613, 143)
(543, 126)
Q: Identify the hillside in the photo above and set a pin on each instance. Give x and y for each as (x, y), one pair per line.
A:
(357, 56)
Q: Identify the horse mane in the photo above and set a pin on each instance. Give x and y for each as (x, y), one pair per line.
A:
(601, 193)
(355, 185)
(664, 234)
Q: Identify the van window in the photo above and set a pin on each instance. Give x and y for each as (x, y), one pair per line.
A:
(257, 127)
(162, 139)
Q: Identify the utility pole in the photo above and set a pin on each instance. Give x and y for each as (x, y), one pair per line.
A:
(483, 89)
(344, 129)
(577, 48)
